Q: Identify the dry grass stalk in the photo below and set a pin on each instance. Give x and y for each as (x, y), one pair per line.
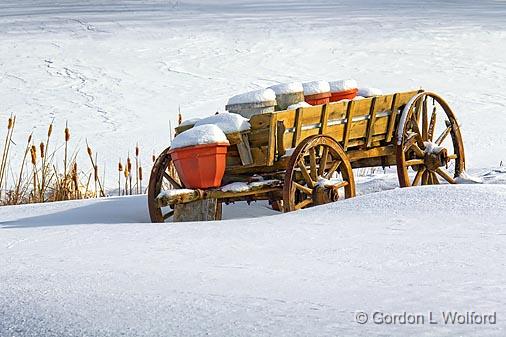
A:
(11, 122)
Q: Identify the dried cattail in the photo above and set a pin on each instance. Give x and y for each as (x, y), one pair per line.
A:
(90, 153)
(10, 123)
(50, 130)
(30, 138)
(127, 173)
(120, 167)
(153, 158)
(67, 133)
(140, 173)
(95, 171)
(42, 148)
(129, 164)
(179, 119)
(137, 150)
(33, 152)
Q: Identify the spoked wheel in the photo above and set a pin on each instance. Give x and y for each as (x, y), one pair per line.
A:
(318, 172)
(163, 177)
(429, 144)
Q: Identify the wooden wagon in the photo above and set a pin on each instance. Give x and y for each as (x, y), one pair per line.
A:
(305, 157)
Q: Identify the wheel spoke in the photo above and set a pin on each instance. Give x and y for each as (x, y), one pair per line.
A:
(333, 169)
(340, 184)
(409, 142)
(323, 161)
(435, 181)
(303, 203)
(413, 162)
(312, 164)
(418, 177)
(171, 180)
(425, 177)
(419, 139)
(445, 175)
(418, 151)
(305, 174)
(432, 125)
(302, 188)
(425, 120)
(443, 135)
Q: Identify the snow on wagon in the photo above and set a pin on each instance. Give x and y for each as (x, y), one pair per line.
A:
(302, 155)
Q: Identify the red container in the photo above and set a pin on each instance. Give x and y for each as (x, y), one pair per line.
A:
(200, 166)
(318, 99)
(346, 94)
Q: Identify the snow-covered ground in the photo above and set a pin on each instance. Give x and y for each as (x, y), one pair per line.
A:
(94, 268)
(119, 70)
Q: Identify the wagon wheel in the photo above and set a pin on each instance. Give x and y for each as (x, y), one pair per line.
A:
(318, 172)
(163, 177)
(425, 153)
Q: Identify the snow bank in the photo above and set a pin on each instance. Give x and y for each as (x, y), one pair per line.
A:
(342, 85)
(287, 88)
(203, 134)
(257, 96)
(466, 178)
(298, 105)
(316, 87)
(369, 92)
(227, 122)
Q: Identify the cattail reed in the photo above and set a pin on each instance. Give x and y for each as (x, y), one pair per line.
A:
(127, 175)
(75, 181)
(129, 167)
(137, 151)
(94, 165)
(140, 179)
(67, 139)
(120, 169)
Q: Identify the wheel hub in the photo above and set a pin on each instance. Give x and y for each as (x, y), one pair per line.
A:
(435, 160)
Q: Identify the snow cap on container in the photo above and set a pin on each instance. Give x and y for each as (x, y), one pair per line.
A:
(369, 92)
(287, 88)
(316, 87)
(227, 122)
(198, 135)
(299, 105)
(257, 96)
(343, 85)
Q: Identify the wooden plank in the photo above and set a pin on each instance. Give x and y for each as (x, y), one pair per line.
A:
(371, 153)
(391, 121)
(347, 126)
(260, 121)
(271, 147)
(280, 135)
(324, 119)
(244, 150)
(370, 123)
(298, 126)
